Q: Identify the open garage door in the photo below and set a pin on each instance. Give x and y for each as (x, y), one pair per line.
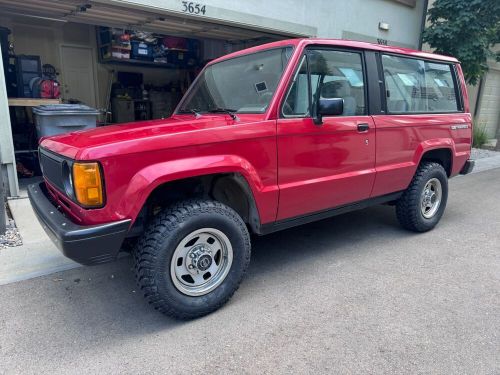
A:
(190, 19)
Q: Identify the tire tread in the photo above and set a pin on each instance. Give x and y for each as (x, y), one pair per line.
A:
(148, 247)
(408, 205)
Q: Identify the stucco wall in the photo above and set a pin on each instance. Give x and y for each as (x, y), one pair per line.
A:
(333, 17)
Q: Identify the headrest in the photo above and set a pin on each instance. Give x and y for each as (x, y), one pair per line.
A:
(335, 89)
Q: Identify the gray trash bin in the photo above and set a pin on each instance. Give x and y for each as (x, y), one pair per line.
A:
(63, 118)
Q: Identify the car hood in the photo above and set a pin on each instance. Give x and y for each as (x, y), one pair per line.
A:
(176, 131)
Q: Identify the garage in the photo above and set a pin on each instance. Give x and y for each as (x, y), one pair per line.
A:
(125, 61)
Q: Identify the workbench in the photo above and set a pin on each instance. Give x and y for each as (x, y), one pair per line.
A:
(31, 102)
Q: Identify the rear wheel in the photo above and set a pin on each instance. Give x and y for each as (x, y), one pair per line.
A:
(422, 205)
(192, 258)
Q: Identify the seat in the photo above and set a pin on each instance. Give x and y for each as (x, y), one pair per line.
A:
(397, 106)
(340, 89)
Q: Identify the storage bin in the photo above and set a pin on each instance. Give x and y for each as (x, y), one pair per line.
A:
(63, 118)
(141, 50)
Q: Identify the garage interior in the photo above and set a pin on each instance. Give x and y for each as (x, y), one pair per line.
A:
(125, 64)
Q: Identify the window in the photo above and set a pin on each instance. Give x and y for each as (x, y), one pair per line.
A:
(244, 84)
(418, 86)
(332, 74)
(297, 100)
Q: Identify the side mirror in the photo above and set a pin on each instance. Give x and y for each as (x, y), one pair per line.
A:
(328, 107)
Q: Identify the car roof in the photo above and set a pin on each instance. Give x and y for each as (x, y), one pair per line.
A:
(339, 43)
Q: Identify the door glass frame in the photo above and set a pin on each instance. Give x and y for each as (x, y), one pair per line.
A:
(309, 113)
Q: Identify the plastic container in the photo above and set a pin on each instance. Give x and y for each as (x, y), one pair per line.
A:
(63, 118)
(141, 50)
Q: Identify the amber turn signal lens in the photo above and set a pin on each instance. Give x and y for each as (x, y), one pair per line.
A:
(87, 183)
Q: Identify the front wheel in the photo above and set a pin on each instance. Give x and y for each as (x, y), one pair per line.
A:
(192, 258)
(422, 205)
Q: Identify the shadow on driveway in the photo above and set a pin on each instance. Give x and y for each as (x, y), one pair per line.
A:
(106, 296)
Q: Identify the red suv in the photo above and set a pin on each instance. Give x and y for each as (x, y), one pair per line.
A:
(265, 139)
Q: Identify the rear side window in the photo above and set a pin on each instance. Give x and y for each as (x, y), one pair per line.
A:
(418, 86)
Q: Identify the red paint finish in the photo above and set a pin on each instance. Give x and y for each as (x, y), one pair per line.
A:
(136, 158)
(325, 165)
(293, 166)
(403, 139)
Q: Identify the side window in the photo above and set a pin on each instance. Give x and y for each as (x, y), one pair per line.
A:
(333, 74)
(418, 86)
(297, 100)
(338, 74)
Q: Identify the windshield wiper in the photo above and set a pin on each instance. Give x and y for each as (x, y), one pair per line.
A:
(230, 112)
(194, 111)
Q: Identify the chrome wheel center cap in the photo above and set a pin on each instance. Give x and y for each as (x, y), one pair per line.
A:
(429, 197)
(199, 259)
(204, 262)
(432, 198)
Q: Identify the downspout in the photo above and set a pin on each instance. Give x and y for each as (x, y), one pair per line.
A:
(478, 97)
(422, 24)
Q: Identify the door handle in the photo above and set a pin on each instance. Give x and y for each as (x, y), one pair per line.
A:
(363, 128)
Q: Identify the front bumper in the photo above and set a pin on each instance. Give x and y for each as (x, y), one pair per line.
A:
(468, 167)
(93, 244)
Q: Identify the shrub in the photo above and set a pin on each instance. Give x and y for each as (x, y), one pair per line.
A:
(480, 136)
(467, 30)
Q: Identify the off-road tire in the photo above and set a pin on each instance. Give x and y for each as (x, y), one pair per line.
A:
(154, 250)
(408, 208)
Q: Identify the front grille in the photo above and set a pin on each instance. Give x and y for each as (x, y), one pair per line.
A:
(52, 168)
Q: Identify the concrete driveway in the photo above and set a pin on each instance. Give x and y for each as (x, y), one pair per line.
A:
(354, 294)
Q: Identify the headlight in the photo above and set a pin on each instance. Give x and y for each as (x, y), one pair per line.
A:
(67, 179)
(87, 184)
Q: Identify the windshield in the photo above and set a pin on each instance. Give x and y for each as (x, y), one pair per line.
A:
(244, 84)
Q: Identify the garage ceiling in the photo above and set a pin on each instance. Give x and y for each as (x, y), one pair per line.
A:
(94, 13)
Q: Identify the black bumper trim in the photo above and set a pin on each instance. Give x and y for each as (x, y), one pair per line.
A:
(468, 167)
(93, 244)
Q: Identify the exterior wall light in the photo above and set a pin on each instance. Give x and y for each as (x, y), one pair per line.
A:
(383, 26)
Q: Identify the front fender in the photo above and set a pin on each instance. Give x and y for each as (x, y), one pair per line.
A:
(147, 179)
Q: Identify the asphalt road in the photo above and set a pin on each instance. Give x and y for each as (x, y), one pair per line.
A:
(353, 294)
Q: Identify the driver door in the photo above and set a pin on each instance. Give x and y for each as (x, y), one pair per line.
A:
(332, 164)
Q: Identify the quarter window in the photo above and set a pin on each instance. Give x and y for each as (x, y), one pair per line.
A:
(297, 100)
(418, 86)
